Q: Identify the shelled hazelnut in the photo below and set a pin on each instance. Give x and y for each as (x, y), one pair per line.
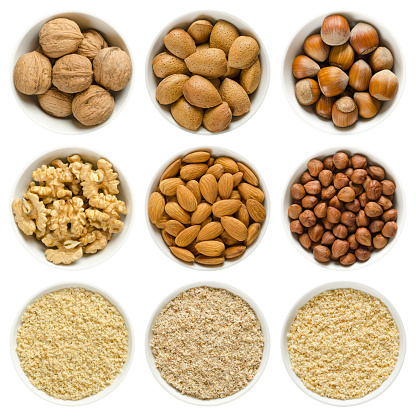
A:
(345, 63)
(343, 208)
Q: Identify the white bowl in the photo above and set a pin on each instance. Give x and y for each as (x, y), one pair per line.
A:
(29, 103)
(291, 317)
(307, 113)
(184, 22)
(193, 400)
(36, 247)
(399, 204)
(86, 400)
(156, 232)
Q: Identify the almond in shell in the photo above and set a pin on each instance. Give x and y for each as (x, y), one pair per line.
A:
(210, 248)
(231, 72)
(256, 210)
(234, 227)
(236, 97)
(187, 115)
(185, 237)
(180, 43)
(200, 30)
(210, 63)
(170, 89)
(199, 92)
(166, 64)
(182, 254)
(226, 207)
(218, 118)
(250, 77)
(223, 35)
(243, 52)
(186, 198)
(209, 188)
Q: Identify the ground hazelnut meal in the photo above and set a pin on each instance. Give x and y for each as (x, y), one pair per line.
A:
(343, 344)
(72, 343)
(207, 343)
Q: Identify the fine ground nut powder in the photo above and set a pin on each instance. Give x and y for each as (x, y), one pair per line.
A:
(207, 343)
(72, 343)
(343, 344)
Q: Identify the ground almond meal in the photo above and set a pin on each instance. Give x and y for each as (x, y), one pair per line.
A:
(72, 343)
(343, 344)
(207, 343)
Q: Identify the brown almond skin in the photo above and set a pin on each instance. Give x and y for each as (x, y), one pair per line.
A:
(234, 251)
(253, 232)
(210, 248)
(185, 237)
(234, 227)
(256, 210)
(210, 261)
(182, 254)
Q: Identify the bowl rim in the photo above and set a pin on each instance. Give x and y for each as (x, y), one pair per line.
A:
(340, 285)
(80, 149)
(102, 393)
(212, 150)
(85, 129)
(380, 253)
(265, 75)
(364, 17)
(216, 285)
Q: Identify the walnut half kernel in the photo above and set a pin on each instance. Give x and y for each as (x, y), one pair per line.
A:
(72, 208)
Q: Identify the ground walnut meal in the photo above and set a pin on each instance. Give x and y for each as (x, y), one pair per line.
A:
(207, 343)
(343, 344)
(72, 343)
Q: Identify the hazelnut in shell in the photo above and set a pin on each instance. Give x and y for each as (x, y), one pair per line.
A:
(364, 38)
(323, 107)
(381, 59)
(384, 85)
(60, 37)
(342, 56)
(368, 106)
(304, 67)
(344, 112)
(72, 73)
(335, 30)
(92, 43)
(33, 73)
(360, 75)
(307, 91)
(332, 81)
(112, 68)
(316, 48)
(93, 106)
(56, 103)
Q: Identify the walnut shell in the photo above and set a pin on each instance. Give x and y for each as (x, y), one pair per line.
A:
(59, 37)
(93, 106)
(56, 103)
(72, 73)
(33, 73)
(112, 68)
(92, 43)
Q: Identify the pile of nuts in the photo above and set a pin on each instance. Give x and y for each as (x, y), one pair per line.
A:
(62, 70)
(71, 206)
(198, 73)
(329, 56)
(343, 209)
(209, 209)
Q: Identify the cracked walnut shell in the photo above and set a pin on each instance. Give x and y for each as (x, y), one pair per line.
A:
(92, 43)
(112, 68)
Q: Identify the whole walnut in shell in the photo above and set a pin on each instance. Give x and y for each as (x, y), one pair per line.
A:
(112, 68)
(59, 37)
(72, 73)
(92, 43)
(56, 103)
(93, 106)
(33, 73)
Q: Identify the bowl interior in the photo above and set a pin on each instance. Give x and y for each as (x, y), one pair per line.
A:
(292, 315)
(86, 400)
(307, 113)
(29, 103)
(399, 205)
(184, 22)
(193, 400)
(156, 232)
(36, 247)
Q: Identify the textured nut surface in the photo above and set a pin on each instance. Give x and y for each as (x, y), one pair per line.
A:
(92, 43)
(243, 52)
(56, 103)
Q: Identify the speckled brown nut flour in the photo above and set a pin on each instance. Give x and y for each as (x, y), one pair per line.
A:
(207, 343)
(343, 344)
(72, 343)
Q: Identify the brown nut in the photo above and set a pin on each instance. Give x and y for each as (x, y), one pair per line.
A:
(328, 192)
(359, 162)
(294, 211)
(348, 259)
(333, 215)
(363, 199)
(336, 203)
(322, 253)
(353, 206)
(341, 180)
(360, 75)
(306, 177)
(335, 30)
(328, 238)
(361, 220)
(358, 176)
(352, 241)
(332, 81)
(352, 229)
(340, 231)
(325, 177)
(315, 233)
(390, 229)
(388, 187)
(315, 48)
(385, 203)
(313, 187)
(363, 236)
(315, 166)
(364, 38)
(307, 91)
(309, 201)
(339, 248)
(344, 112)
(340, 160)
(373, 190)
(342, 56)
(358, 189)
(296, 227)
(307, 218)
(376, 172)
(320, 210)
(389, 215)
(384, 85)
(327, 225)
(348, 172)
(323, 106)
(348, 218)
(362, 254)
(305, 241)
(346, 194)
(297, 191)
(329, 163)
(379, 241)
(372, 209)
(376, 226)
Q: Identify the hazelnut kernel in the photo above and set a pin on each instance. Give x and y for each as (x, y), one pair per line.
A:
(373, 190)
(376, 226)
(313, 187)
(315, 166)
(363, 199)
(388, 187)
(340, 160)
(346, 194)
(296, 227)
(379, 241)
(294, 211)
(389, 215)
(327, 225)
(305, 241)
(353, 206)
(358, 189)
(359, 162)
(348, 259)
(315, 233)
(309, 201)
(340, 231)
(348, 218)
(297, 191)
(362, 254)
(336, 203)
(320, 210)
(358, 177)
(372, 209)
(361, 220)
(329, 163)
(328, 238)
(376, 172)
(307, 218)
(328, 192)
(353, 242)
(385, 203)
(363, 236)
(325, 177)
(322, 253)
(339, 248)
(306, 177)
(390, 229)
(341, 180)
(333, 215)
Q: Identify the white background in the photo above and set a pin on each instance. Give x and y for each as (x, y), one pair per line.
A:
(140, 140)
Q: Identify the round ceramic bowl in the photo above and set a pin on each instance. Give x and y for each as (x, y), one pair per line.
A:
(193, 400)
(291, 317)
(86, 400)
(29, 103)
(36, 247)
(307, 113)
(156, 232)
(184, 22)
(399, 205)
